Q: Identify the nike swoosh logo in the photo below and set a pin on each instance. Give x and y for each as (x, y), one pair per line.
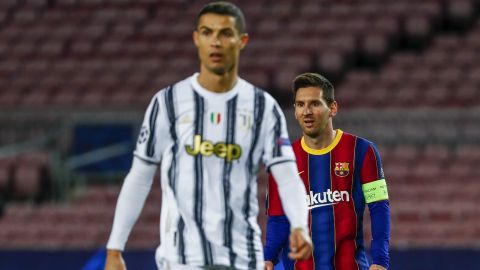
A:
(321, 205)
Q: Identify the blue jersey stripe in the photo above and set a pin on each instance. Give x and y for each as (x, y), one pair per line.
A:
(323, 223)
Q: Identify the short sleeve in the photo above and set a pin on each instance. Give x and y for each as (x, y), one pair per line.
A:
(150, 142)
(277, 146)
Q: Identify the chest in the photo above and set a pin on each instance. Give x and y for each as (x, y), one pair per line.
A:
(219, 128)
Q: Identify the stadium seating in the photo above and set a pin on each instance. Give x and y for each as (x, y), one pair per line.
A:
(100, 45)
(390, 62)
(416, 176)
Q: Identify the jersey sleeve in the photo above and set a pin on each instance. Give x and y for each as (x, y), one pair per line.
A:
(374, 186)
(375, 192)
(277, 148)
(151, 138)
(278, 230)
(380, 226)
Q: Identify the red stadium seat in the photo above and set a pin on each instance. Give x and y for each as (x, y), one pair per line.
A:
(374, 48)
(460, 13)
(5, 179)
(27, 181)
(418, 30)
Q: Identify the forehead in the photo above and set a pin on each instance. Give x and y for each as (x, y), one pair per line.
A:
(309, 93)
(216, 21)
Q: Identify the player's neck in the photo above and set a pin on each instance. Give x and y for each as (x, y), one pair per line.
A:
(217, 83)
(322, 141)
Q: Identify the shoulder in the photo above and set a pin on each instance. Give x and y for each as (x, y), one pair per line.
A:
(172, 88)
(297, 146)
(297, 143)
(359, 140)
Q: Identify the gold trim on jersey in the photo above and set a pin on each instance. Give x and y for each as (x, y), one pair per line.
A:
(325, 150)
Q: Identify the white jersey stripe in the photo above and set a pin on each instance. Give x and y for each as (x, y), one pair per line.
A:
(179, 239)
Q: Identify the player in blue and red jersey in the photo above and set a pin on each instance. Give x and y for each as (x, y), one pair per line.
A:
(342, 174)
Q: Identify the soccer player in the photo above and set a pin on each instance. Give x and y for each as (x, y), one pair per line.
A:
(342, 174)
(208, 133)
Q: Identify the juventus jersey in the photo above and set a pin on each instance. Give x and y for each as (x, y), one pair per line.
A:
(209, 146)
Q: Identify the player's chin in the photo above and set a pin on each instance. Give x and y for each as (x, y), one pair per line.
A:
(310, 131)
(218, 69)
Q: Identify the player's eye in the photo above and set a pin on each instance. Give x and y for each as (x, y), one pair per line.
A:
(316, 104)
(227, 33)
(205, 32)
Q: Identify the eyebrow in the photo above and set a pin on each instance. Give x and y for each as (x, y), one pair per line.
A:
(201, 27)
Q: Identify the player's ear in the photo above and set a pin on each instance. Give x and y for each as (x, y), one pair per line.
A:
(244, 38)
(333, 109)
(195, 37)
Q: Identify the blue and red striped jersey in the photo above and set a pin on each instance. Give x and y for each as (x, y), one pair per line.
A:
(340, 180)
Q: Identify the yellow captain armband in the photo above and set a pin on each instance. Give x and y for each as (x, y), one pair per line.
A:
(375, 191)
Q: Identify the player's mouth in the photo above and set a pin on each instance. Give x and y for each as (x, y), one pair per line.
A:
(308, 123)
(216, 57)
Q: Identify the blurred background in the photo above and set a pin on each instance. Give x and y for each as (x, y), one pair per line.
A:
(76, 77)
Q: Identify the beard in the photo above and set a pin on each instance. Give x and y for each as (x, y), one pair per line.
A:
(218, 71)
(316, 130)
(221, 70)
(312, 133)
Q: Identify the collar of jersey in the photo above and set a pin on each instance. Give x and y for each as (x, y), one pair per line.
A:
(209, 94)
(323, 150)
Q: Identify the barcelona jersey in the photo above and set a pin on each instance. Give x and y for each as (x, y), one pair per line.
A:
(340, 181)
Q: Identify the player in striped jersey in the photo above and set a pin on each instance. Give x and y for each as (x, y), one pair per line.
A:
(208, 134)
(342, 173)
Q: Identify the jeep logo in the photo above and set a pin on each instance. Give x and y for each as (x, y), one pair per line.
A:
(207, 148)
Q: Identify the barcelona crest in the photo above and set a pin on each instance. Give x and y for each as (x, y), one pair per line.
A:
(341, 169)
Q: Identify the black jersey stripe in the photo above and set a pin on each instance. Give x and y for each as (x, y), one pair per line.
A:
(259, 108)
(227, 170)
(279, 162)
(170, 104)
(181, 240)
(150, 149)
(169, 101)
(277, 148)
(149, 162)
(198, 192)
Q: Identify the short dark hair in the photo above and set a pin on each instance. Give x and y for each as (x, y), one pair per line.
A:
(225, 8)
(314, 80)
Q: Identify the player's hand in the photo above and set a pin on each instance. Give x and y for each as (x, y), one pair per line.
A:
(114, 260)
(376, 267)
(300, 244)
(268, 265)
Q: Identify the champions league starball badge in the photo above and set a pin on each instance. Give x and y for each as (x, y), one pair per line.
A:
(143, 136)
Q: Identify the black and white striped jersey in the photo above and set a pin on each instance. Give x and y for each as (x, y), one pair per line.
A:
(209, 147)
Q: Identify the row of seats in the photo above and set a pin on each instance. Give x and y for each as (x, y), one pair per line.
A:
(444, 75)
(421, 182)
(102, 53)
